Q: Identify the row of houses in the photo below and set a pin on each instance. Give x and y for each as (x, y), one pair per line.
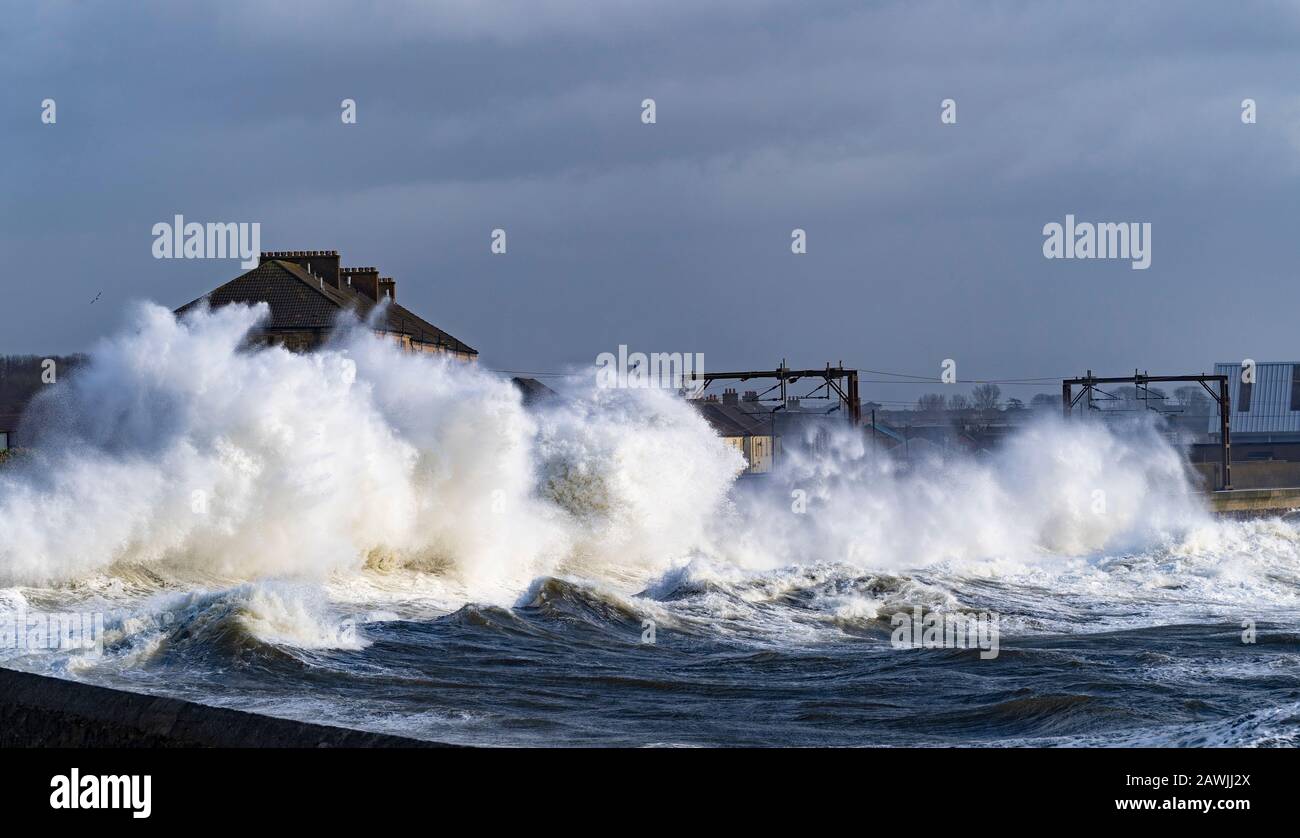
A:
(306, 292)
(762, 431)
(21, 377)
(752, 434)
(1264, 423)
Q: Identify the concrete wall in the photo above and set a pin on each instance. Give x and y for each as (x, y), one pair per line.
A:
(1247, 451)
(36, 711)
(1253, 502)
(1270, 474)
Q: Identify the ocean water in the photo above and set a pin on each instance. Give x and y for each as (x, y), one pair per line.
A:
(393, 543)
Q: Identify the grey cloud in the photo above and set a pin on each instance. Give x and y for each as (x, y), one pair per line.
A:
(924, 239)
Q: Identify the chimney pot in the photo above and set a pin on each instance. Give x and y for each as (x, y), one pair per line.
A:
(319, 263)
(364, 281)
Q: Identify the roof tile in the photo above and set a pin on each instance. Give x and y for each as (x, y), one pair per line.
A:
(299, 300)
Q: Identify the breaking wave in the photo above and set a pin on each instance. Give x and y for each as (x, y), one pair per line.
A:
(181, 457)
(178, 450)
(395, 542)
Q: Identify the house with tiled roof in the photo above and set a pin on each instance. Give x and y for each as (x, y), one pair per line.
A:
(21, 378)
(307, 291)
(748, 434)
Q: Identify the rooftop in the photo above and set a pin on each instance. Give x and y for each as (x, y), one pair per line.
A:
(1270, 405)
(300, 299)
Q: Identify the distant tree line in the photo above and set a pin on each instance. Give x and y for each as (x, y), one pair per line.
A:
(984, 398)
(1191, 400)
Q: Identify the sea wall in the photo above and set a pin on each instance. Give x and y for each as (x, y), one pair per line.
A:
(1247, 474)
(36, 711)
(1250, 502)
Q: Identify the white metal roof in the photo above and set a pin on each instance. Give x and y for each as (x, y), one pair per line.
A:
(1270, 399)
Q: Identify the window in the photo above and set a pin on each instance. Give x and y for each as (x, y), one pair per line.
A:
(1295, 386)
(1243, 397)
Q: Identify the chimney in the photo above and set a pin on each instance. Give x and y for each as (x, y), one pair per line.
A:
(364, 281)
(322, 264)
(729, 396)
(751, 395)
(388, 288)
(791, 403)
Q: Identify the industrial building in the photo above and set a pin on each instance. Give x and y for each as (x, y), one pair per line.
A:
(1264, 423)
(1267, 410)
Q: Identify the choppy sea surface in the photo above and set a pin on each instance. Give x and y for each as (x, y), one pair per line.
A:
(797, 657)
(399, 544)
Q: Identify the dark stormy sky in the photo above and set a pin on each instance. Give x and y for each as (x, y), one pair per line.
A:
(924, 239)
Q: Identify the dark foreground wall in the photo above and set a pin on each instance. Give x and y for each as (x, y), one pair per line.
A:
(36, 711)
